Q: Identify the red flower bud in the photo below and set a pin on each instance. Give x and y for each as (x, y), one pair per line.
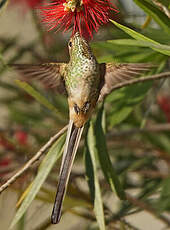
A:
(164, 103)
(21, 137)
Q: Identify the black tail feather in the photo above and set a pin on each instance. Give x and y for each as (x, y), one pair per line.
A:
(73, 139)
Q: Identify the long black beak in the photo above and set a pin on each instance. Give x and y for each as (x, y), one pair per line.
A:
(71, 145)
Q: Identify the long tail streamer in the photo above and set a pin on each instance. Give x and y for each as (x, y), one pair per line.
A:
(71, 145)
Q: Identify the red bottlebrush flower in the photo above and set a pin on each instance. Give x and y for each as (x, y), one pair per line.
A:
(81, 15)
(5, 161)
(164, 103)
(21, 137)
(28, 3)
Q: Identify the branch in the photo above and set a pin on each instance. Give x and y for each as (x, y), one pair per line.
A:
(33, 159)
(146, 207)
(151, 128)
(129, 225)
(162, 8)
(142, 79)
(152, 174)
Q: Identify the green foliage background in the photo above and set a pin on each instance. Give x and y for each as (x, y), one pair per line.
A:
(125, 149)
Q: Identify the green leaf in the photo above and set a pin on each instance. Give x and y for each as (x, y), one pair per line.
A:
(104, 158)
(138, 43)
(164, 201)
(160, 141)
(109, 52)
(119, 114)
(129, 42)
(164, 49)
(44, 169)
(22, 117)
(8, 86)
(92, 151)
(124, 101)
(155, 13)
(157, 34)
(21, 223)
(41, 99)
(89, 171)
(3, 3)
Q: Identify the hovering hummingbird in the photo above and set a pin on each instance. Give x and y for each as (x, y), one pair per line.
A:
(85, 82)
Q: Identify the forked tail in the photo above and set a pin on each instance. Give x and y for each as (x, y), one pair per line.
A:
(71, 145)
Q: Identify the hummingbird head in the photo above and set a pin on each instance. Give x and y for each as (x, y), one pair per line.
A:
(79, 47)
(80, 111)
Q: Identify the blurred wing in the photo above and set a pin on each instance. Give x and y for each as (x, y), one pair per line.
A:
(51, 74)
(113, 74)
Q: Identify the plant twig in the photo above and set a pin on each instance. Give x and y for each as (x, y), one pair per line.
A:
(152, 128)
(147, 21)
(33, 159)
(142, 79)
(129, 225)
(162, 8)
(152, 174)
(147, 208)
(164, 155)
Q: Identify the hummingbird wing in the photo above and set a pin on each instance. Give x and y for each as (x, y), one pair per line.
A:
(51, 74)
(113, 74)
(70, 149)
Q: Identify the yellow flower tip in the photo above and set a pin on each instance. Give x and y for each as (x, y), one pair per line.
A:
(72, 5)
(66, 8)
(73, 8)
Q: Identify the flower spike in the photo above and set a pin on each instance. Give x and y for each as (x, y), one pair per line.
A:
(84, 16)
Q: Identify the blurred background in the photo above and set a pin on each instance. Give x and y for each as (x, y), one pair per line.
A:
(137, 122)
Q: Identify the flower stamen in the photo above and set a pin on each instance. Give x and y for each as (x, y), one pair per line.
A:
(72, 5)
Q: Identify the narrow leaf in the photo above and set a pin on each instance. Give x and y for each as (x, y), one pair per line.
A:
(3, 3)
(104, 158)
(118, 115)
(164, 201)
(155, 13)
(124, 101)
(138, 43)
(44, 169)
(129, 42)
(89, 171)
(41, 99)
(151, 43)
(24, 194)
(92, 151)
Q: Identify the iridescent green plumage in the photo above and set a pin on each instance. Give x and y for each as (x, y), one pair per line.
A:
(82, 64)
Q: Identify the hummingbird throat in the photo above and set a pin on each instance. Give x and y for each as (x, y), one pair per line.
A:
(72, 5)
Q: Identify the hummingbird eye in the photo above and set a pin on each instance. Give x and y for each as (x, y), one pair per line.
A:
(70, 44)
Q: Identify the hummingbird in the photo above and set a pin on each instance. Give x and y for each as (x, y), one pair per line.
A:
(85, 82)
